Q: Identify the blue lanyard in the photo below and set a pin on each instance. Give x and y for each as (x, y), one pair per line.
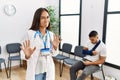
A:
(44, 42)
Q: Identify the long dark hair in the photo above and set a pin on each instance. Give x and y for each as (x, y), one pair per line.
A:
(36, 20)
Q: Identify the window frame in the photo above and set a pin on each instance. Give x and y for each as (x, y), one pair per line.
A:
(78, 14)
(106, 13)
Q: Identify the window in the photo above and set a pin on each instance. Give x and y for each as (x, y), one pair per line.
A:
(112, 38)
(113, 31)
(70, 21)
(70, 6)
(113, 5)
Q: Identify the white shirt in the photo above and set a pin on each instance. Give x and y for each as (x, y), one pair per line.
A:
(101, 49)
(42, 63)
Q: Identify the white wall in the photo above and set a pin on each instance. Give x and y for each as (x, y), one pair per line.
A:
(92, 19)
(13, 28)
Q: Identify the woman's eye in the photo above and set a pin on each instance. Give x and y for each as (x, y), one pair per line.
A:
(48, 17)
(45, 17)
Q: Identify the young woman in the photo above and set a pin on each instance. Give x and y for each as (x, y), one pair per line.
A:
(39, 47)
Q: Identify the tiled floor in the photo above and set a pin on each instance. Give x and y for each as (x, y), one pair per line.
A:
(19, 74)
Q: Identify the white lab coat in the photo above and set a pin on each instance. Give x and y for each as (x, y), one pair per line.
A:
(32, 61)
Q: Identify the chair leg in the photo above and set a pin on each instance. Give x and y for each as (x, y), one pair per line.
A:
(8, 65)
(10, 70)
(20, 63)
(60, 68)
(92, 78)
(103, 74)
(6, 69)
(62, 65)
(0, 68)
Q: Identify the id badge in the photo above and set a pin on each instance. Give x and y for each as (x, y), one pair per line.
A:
(45, 51)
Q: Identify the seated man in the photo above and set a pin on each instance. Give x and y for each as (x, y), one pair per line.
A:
(91, 63)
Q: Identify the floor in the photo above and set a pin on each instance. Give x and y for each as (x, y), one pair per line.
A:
(19, 73)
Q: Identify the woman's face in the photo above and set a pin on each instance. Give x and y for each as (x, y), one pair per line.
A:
(44, 19)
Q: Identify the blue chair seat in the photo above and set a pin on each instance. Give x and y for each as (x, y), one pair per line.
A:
(70, 61)
(2, 60)
(60, 57)
(14, 58)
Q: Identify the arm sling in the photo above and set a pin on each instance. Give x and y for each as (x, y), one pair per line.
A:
(89, 52)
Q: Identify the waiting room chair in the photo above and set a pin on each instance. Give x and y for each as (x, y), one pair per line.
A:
(66, 48)
(100, 69)
(3, 61)
(72, 61)
(13, 48)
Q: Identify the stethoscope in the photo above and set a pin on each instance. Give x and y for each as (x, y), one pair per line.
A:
(46, 38)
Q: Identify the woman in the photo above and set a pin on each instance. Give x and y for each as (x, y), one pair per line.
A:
(39, 48)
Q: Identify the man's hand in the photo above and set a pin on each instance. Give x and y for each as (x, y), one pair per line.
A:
(28, 51)
(94, 52)
(85, 48)
(87, 63)
(100, 61)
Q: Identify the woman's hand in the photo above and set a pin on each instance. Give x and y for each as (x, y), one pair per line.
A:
(56, 41)
(28, 51)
